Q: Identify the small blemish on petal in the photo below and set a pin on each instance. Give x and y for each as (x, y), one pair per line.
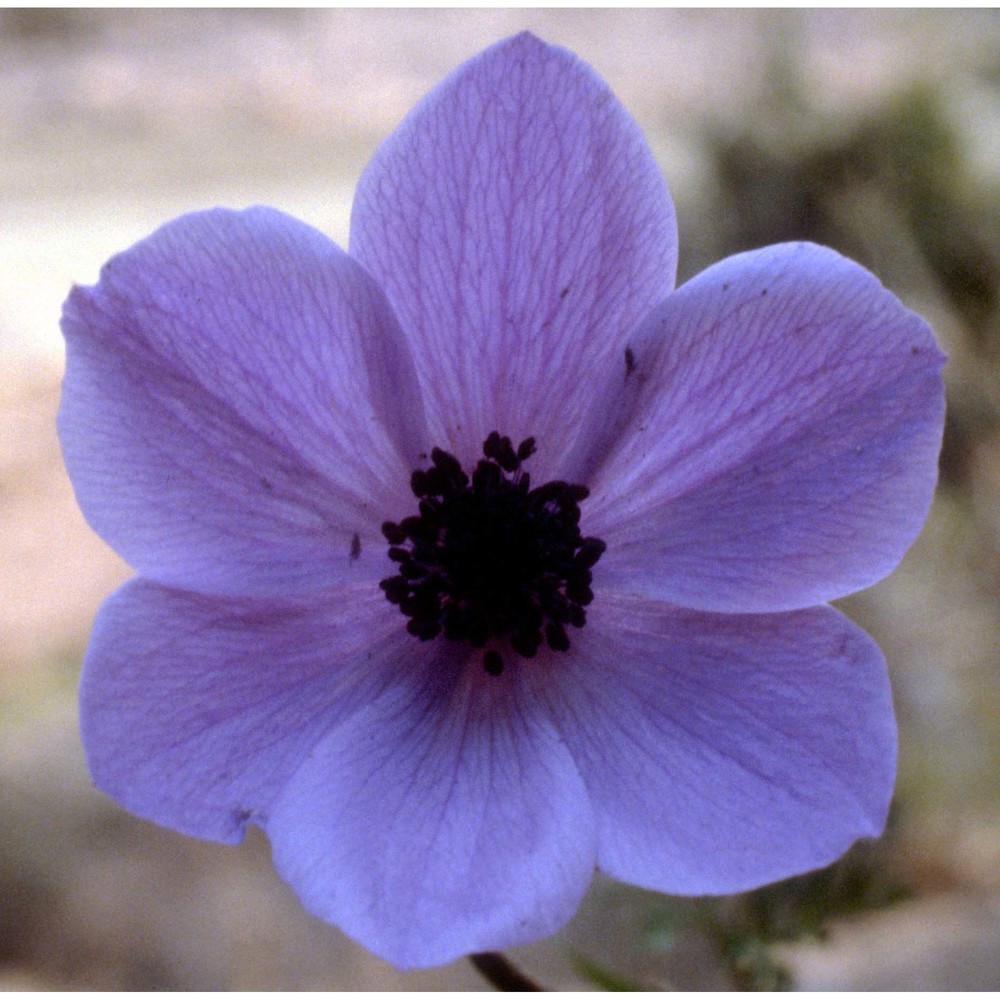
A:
(355, 547)
(564, 292)
(629, 361)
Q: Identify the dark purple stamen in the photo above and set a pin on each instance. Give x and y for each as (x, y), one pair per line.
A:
(489, 560)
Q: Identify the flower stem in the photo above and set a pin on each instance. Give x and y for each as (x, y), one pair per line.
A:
(503, 974)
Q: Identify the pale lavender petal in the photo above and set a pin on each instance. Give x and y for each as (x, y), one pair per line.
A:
(520, 228)
(439, 822)
(772, 441)
(722, 752)
(239, 413)
(195, 710)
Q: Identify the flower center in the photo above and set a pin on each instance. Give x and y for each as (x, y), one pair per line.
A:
(490, 560)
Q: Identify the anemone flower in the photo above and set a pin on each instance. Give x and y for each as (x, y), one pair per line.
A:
(478, 557)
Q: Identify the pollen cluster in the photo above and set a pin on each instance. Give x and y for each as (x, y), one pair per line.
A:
(490, 561)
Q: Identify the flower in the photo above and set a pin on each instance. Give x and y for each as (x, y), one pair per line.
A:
(479, 556)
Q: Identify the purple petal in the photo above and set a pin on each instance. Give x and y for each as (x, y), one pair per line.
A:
(722, 752)
(521, 229)
(439, 822)
(195, 710)
(239, 407)
(777, 437)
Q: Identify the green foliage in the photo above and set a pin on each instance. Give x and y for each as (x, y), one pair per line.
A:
(605, 978)
(744, 928)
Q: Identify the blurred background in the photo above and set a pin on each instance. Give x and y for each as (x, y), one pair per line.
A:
(877, 133)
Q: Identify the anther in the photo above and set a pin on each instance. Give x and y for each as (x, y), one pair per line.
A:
(490, 560)
(493, 663)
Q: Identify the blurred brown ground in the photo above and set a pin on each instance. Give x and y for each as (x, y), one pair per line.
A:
(113, 122)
